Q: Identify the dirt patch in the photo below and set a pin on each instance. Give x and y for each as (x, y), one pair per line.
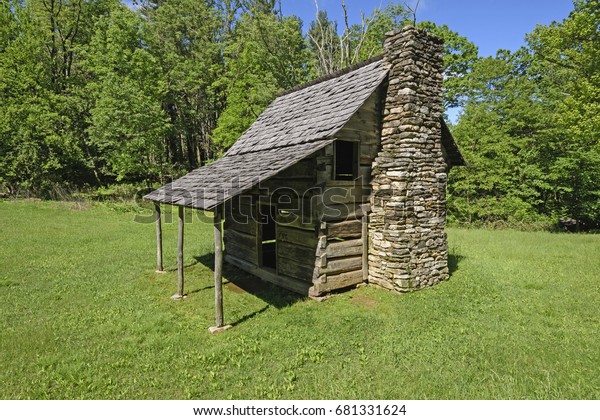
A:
(363, 300)
(234, 288)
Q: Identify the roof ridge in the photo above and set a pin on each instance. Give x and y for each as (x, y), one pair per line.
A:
(330, 76)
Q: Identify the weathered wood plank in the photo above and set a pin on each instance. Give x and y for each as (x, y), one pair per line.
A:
(297, 236)
(362, 124)
(341, 212)
(365, 246)
(242, 202)
(342, 265)
(365, 138)
(364, 172)
(241, 223)
(296, 252)
(335, 282)
(180, 232)
(305, 169)
(296, 222)
(348, 229)
(348, 248)
(336, 194)
(241, 238)
(320, 262)
(300, 270)
(321, 245)
(288, 283)
(159, 251)
(242, 252)
(368, 154)
(240, 211)
(218, 233)
(288, 187)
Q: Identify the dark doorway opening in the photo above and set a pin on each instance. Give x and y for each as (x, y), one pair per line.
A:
(268, 236)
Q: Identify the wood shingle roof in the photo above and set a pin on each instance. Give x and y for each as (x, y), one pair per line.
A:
(294, 126)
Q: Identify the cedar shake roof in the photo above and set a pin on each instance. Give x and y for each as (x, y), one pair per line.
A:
(295, 125)
(298, 123)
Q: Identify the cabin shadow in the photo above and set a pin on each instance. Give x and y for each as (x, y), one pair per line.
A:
(454, 262)
(239, 281)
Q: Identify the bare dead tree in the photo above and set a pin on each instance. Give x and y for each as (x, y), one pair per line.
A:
(348, 46)
(413, 11)
(323, 41)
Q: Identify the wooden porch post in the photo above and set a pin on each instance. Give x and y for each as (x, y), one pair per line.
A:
(365, 241)
(159, 253)
(218, 230)
(180, 294)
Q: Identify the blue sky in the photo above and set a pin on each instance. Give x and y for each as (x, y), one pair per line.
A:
(490, 24)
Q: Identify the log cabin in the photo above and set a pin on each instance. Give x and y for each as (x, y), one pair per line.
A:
(340, 181)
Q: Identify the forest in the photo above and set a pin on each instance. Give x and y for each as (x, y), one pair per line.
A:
(95, 95)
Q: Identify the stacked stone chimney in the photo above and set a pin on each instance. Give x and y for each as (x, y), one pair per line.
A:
(408, 247)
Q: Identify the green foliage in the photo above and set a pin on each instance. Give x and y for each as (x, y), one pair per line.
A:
(357, 42)
(88, 318)
(127, 122)
(92, 93)
(36, 147)
(265, 54)
(460, 57)
(391, 17)
(186, 39)
(531, 129)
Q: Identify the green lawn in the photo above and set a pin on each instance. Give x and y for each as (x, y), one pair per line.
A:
(84, 315)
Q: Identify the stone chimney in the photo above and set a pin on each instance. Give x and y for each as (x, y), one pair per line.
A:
(408, 247)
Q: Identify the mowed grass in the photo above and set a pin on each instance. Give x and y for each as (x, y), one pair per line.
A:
(84, 315)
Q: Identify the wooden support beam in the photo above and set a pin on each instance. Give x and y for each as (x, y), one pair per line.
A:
(218, 231)
(180, 295)
(365, 246)
(159, 252)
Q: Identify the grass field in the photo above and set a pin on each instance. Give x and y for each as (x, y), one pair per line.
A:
(83, 315)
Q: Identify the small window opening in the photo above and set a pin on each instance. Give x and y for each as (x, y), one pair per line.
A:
(346, 160)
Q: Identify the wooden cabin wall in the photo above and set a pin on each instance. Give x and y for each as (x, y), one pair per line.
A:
(341, 257)
(291, 191)
(241, 229)
(321, 222)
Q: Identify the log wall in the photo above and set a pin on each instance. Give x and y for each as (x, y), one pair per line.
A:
(291, 192)
(343, 237)
(321, 231)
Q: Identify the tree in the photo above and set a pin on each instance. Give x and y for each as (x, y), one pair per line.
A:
(186, 37)
(36, 148)
(358, 42)
(362, 41)
(460, 57)
(265, 54)
(568, 67)
(497, 135)
(324, 43)
(530, 128)
(127, 122)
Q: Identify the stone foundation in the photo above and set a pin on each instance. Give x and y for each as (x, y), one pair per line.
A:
(407, 244)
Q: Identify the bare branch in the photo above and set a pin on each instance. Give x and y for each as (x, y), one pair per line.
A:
(413, 11)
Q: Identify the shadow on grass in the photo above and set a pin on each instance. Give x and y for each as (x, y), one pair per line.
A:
(239, 281)
(249, 316)
(453, 262)
(174, 269)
